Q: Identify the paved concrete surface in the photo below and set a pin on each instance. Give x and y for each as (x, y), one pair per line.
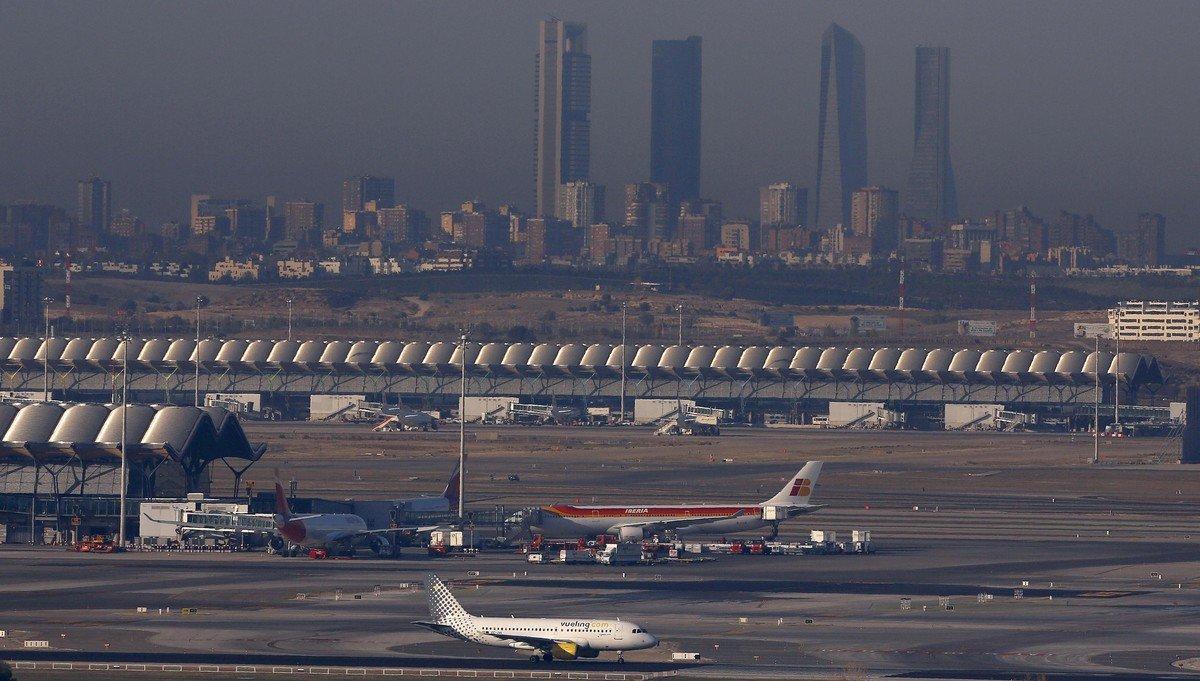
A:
(1108, 554)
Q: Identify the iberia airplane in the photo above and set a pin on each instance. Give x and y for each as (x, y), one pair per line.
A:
(633, 523)
(548, 638)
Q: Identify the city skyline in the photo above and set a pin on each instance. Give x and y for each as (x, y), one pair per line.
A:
(741, 153)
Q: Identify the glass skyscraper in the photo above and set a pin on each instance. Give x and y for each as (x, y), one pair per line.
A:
(930, 195)
(841, 126)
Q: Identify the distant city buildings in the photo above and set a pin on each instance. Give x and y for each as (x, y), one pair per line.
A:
(675, 115)
(841, 126)
(21, 304)
(930, 194)
(782, 204)
(581, 204)
(94, 205)
(562, 125)
(303, 221)
(875, 215)
(1146, 320)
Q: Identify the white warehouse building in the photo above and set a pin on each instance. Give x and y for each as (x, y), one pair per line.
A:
(1156, 320)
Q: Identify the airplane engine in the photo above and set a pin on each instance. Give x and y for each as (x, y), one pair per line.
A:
(587, 652)
(630, 533)
(565, 650)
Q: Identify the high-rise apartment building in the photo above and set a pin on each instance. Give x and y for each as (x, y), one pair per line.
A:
(700, 224)
(651, 210)
(675, 115)
(1152, 238)
(126, 225)
(358, 191)
(875, 214)
(21, 298)
(782, 204)
(401, 224)
(303, 221)
(581, 204)
(841, 126)
(931, 195)
(94, 205)
(562, 127)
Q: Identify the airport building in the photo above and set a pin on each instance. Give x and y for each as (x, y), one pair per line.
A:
(60, 463)
(287, 375)
(1156, 320)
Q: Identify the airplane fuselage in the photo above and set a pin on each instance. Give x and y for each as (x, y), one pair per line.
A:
(322, 530)
(568, 521)
(587, 635)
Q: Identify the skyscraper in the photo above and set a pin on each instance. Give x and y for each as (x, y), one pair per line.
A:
(782, 204)
(561, 127)
(675, 115)
(304, 221)
(357, 191)
(581, 204)
(875, 214)
(931, 195)
(94, 210)
(841, 126)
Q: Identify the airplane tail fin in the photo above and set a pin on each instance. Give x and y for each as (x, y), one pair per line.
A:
(281, 503)
(450, 494)
(443, 606)
(798, 490)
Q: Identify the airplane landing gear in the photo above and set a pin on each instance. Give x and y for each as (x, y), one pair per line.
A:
(547, 657)
(535, 658)
(620, 658)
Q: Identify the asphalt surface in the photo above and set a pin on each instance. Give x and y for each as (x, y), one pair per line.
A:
(1104, 558)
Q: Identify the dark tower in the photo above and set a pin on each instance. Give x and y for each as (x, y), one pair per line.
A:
(675, 115)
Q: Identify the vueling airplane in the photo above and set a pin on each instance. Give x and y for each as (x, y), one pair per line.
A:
(550, 639)
(634, 522)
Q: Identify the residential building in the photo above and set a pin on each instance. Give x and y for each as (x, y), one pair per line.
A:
(358, 191)
(21, 306)
(675, 115)
(930, 194)
(126, 225)
(303, 221)
(294, 269)
(562, 125)
(94, 205)
(875, 215)
(700, 224)
(782, 204)
(401, 224)
(1145, 244)
(841, 126)
(234, 270)
(651, 210)
(581, 203)
(1153, 320)
(248, 223)
(740, 235)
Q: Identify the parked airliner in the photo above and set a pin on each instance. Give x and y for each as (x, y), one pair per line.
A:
(634, 522)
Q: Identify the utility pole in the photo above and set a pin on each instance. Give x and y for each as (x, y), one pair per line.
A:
(46, 350)
(624, 312)
(289, 304)
(196, 381)
(124, 439)
(462, 426)
(1096, 428)
(1117, 375)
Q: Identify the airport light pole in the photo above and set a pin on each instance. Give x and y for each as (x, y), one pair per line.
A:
(124, 439)
(289, 304)
(1096, 427)
(1117, 374)
(196, 377)
(462, 425)
(624, 312)
(46, 350)
(681, 325)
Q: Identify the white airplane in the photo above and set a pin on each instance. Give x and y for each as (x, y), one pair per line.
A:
(550, 639)
(636, 521)
(335, 533)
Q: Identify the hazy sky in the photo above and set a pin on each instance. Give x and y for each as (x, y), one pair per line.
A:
(1087, 106)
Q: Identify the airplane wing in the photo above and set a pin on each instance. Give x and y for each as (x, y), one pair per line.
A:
(539, 642)
(663, 525)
